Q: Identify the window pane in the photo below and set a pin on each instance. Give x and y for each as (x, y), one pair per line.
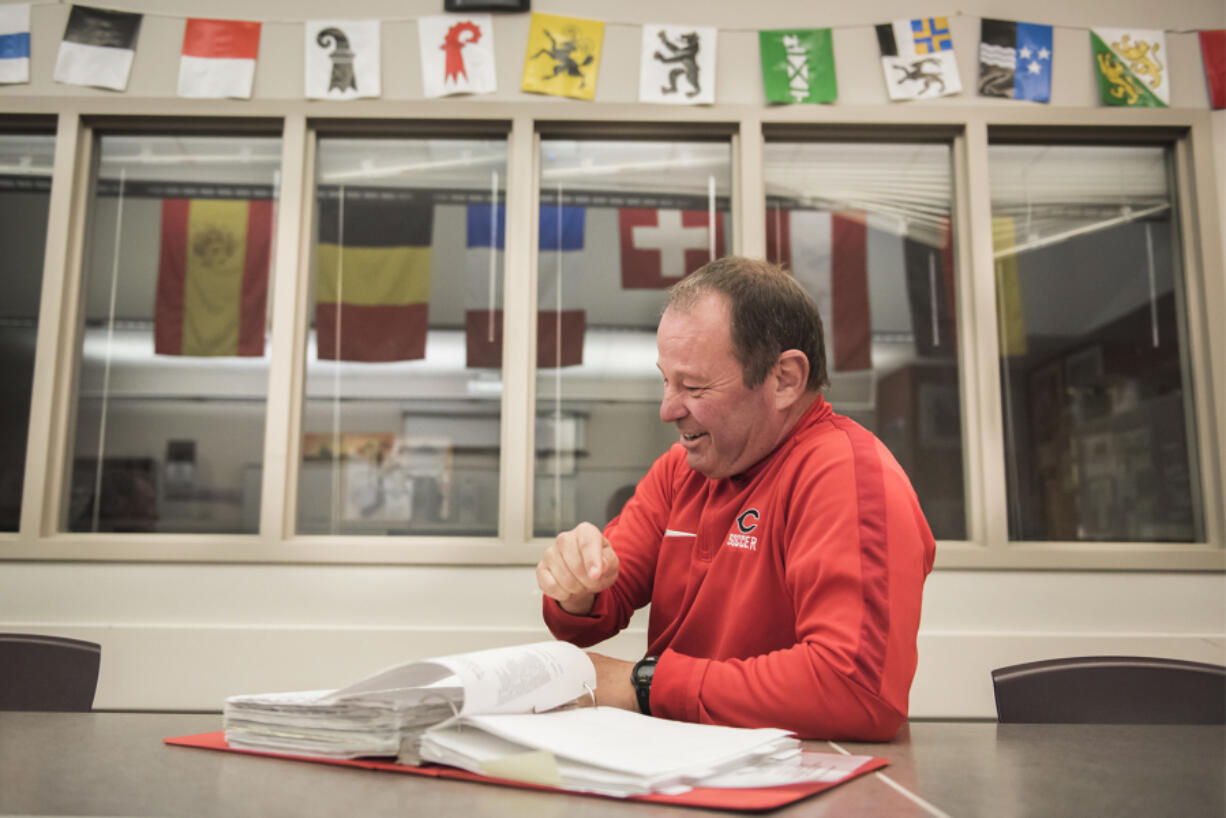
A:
(25, 194)
(619, 223)
(866, 228)
(173, 373)
(1099, 432)
(404, 383)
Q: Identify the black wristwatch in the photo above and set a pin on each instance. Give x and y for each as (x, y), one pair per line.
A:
(640, 677)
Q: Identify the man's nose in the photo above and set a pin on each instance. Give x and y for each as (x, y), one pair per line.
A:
(672, 408)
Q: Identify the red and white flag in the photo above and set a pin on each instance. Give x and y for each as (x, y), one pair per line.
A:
(661, 247)
(457, 54)
(218, 58)
(828, 253)
(1213, 53)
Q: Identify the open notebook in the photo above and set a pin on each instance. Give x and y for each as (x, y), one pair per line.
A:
(495, 713)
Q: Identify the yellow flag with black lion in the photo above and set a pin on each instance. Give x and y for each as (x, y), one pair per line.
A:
(563, 56)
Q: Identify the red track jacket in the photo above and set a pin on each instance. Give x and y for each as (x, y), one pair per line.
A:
(787, 596)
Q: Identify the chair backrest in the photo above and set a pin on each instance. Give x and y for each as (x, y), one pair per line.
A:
(1111, 690)
(47, 672)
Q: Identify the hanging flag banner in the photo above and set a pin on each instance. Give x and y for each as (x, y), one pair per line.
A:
(1010, 309)
(1213, 52)
(372, 286)
(561, 319)
(1015, 60)
(843, 258)
(457, 54)
(563, 56)
(678, 65)
(661, 247)
(798, 65)
(15, 43)
(917, 57)
(218, 59)
(930, 291)
(559, 330)
(97, 48)
(342, 59)
(485, 238)
(828, 254)
(212, 285)
(1131, 67)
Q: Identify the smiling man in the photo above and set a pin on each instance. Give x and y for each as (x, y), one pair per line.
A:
(780, 545)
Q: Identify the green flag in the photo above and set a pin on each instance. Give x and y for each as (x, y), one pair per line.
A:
(1130, 66)
(798, 65)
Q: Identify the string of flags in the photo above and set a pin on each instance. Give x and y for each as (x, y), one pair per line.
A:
(562, 58)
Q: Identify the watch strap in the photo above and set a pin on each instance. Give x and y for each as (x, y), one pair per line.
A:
(641, 677)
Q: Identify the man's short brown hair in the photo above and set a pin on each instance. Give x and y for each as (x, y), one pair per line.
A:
(770, 312)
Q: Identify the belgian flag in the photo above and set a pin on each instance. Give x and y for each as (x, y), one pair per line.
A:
(372, 285)
(212, 289)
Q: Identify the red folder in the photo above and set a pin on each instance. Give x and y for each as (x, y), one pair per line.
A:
(755, 799)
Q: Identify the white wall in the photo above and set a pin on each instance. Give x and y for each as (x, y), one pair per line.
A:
(182, 636)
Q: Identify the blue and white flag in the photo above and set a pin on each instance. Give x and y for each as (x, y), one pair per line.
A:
(15, 43)
(1015, 60)
(98, 48)
(561, 318)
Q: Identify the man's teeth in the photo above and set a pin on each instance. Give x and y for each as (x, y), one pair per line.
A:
(694, 436)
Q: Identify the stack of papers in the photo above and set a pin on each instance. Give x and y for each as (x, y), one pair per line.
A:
(385, 714)
(314, 723)
(603, 750)
(512, 713)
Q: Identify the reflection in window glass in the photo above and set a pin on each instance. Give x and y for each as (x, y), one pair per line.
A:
(173, 375)
(619, 223)
(404, 384)
(866, 229)
(25, 194)
(1099, 433)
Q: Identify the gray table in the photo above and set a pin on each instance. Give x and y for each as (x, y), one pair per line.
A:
(116, 764)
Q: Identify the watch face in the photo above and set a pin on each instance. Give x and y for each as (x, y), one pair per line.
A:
(643, 671)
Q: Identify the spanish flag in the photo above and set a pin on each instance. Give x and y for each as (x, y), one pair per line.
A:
(372, 285)
(212, 286)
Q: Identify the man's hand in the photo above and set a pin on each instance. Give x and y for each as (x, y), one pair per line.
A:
(613, 685)
(579, 565)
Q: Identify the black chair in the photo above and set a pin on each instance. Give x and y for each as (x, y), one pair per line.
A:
(1111, 690)
(50, 673)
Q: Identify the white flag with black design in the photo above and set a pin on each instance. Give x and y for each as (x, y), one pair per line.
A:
(678, 65)
(917, 57)
(97, 48)
(342, 59)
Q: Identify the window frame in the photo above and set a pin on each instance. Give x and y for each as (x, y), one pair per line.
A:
(970, 128)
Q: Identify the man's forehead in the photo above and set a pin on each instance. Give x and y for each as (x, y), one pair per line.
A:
(695, 341)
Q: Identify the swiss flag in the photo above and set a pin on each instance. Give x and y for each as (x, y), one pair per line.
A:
(661, 247)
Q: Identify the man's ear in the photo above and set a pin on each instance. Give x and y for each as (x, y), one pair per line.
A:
(791, 377)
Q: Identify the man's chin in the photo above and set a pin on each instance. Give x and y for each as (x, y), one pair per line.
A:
(698, 464)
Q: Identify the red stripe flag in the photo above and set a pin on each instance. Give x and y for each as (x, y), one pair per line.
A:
(218, 58)
(213, 277)
(1213, 52)
(828, 254)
